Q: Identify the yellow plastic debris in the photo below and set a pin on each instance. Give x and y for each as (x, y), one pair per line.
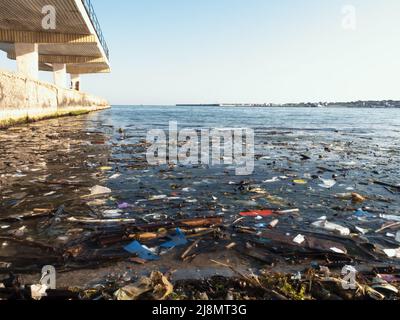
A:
(300, 181)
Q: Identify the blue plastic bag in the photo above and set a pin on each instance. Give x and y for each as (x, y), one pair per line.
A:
(176, 241)
(143, 253)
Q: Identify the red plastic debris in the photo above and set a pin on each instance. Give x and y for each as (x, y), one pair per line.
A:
(261, 213)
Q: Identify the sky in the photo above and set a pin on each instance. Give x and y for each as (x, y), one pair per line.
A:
(247, 51)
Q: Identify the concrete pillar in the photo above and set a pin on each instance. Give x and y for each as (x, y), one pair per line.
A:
(60, 74)
(27, 56)
(76, 82)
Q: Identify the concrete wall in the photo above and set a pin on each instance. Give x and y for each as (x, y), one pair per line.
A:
(22, 98)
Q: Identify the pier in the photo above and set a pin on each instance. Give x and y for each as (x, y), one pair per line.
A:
(59, 36)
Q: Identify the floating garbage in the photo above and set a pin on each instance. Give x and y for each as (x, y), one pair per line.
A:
(136, 212)
(299, 239)
(274, 179)
(392, 253)
(390, 217)
(362, 231)
(101, 221)
(274, 223)
(353, 196)
(300, 181)
(326, 225)
(290, 211)
(124, 205)
(261, 213)
(337, 250)
(356, 198)
(159, 197)
(105, 168)
(112, 213)
(99, 190)
(141, 251)
(360, 213)
(327, 183)
(178, 240)
(260, 225)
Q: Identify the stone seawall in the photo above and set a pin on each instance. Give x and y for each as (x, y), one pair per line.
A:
(24, 99)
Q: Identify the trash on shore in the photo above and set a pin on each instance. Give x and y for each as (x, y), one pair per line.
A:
(310, 284)
(157, 286)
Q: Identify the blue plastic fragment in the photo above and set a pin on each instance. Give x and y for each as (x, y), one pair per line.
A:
(176, 241)
(143, 253)
(362, 213)
(261, 225)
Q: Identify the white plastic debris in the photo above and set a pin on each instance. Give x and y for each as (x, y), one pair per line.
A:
(5, 265)
(96, 190)
(327, 183)
(20, 232)
(299, 239)
(159, 197)
(390, 217)
(297, 276)
(38, 291)
(361, 230)
(112, 213)
(337, 250)
(274, 179)
(191, 200)
(288, 211)
(329, 226)
(114, 176)
(63, 239)
(392, 253)
(274, 223)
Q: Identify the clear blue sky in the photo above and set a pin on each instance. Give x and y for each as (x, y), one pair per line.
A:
(206, 51)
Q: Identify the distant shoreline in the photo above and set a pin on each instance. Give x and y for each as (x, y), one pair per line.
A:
(356, 104)
(385, 104)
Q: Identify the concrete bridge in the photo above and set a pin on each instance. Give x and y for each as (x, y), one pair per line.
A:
(59, 36)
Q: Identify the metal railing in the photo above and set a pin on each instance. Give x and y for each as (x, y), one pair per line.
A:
(92, 15)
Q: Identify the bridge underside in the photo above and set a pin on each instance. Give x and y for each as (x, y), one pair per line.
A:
(75, 43)
(79, 58)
